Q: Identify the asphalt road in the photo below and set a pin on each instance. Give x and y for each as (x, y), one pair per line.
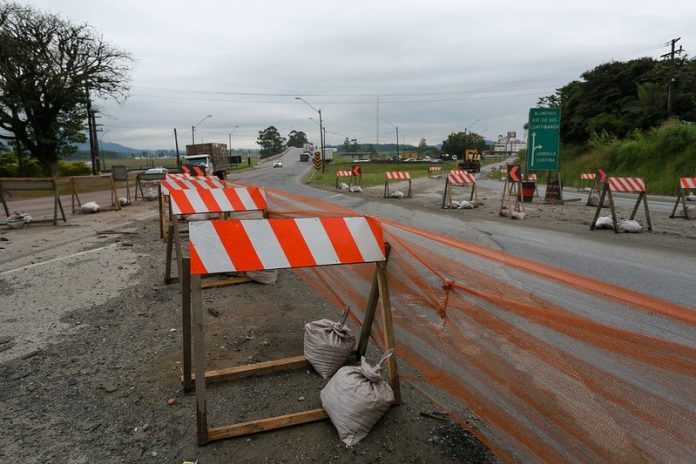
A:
(664, 271)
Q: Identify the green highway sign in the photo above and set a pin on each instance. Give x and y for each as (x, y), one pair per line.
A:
(543, 139)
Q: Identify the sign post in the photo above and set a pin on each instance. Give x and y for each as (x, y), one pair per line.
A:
(543, 145)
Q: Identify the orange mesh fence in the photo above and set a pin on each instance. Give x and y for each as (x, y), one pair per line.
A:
(540, 363)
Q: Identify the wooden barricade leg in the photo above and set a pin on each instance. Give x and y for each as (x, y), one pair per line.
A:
(676, 205)
(74, 195)
(4, 204)
(647, 211)
(116, 203)
(177, 244)
(168, 259)
(410, 192)
(386, 189)
(370, 309)
(186, 323)
(388, 327)
(199, 359)
(635, 207)
(444, 194)
(599, 208)
(502, 200)
(613, 210)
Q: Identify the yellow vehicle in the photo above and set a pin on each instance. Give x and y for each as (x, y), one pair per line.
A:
(471, 161)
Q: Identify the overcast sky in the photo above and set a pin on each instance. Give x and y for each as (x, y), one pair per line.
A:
(434, 66)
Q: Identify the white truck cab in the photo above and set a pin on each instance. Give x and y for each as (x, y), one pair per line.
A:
(202, 161)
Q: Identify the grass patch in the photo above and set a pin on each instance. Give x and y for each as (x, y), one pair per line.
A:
(372, 173)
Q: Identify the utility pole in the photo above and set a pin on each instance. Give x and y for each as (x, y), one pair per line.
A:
(670, 83)
(92, 137)
(176, 143)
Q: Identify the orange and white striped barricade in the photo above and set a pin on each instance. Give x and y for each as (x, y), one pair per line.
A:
(144, 180)
(222, 201)
(512, 187)
(586, 180)
(624, 185)
(459, 179)
(396, 176)
(266, 244)
(686, 184)
(434, 172)
(8, 185)
(103, 180)
(182, 182)
(343, 173)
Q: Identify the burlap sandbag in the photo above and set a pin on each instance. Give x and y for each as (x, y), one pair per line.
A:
(328, 344)
(356, 398)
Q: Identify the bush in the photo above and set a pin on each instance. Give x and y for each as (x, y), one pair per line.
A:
(74, 168)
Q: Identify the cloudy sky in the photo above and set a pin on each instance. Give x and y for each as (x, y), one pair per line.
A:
(428, 67)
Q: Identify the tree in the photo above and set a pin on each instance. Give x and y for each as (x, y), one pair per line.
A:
(457, 142)
(297, 139)
(270, 141)
(422, 146)
(49, 67)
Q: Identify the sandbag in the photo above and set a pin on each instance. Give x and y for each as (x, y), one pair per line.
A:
(464, 204)
(328, 344)
(604, 222)
(356, 398)
(343, 186)
(630, 226)
(691, 212)
(18, 220)
(593, 200)
(518, 215)
(691, 197)
(150, 194)
(397, 194)
(355, 188)
(89, 207)
(123, 201)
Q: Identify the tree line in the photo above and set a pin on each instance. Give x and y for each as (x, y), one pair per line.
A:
(616, 98)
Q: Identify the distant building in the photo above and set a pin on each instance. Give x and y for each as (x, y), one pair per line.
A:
(509, 143)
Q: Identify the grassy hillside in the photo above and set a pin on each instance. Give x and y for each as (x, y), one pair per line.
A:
(660, 156)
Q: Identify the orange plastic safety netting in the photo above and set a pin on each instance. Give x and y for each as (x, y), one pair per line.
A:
(542, 364)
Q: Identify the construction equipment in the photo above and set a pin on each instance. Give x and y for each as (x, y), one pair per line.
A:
(471, 161)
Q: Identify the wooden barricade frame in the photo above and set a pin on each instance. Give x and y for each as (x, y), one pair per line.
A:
(432, 169)
(190, 201)
(600, 177)
(32, 184)
(100, 180)
(193, 328)
(354, 180)
(181, 182)
(618, 184)
(513, 186)
(120, 174)
(145, 179)
(459, 178)
(397, 176)
(587, 179)
(686, 184)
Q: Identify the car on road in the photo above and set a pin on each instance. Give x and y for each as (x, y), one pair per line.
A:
(410, 160)
(277, 164)
(157, 170)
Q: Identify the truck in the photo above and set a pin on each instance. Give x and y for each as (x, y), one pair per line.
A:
(471, 161)
(213, 157)
(304, 156)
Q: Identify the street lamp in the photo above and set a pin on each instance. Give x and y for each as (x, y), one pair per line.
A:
(321, 131)
(471, 124)
(230, 136)
(397, 140)
(193, 128)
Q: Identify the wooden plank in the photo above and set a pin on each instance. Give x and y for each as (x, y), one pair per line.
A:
(264, 367)
(168, 258)
(186, 323)
(225, 282)
(647, 211)
(599, 208)
(199, 359)
(388, 328)
(263, 425)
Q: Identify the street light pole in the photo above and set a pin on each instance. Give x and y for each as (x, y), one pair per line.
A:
(397, 141)
(193, 128)
(230, 141)
(321, 132)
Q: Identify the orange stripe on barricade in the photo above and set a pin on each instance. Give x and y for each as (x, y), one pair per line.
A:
(342, 240)
(293, 243)
(240, 251)
(234, 200)
(209, 200)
